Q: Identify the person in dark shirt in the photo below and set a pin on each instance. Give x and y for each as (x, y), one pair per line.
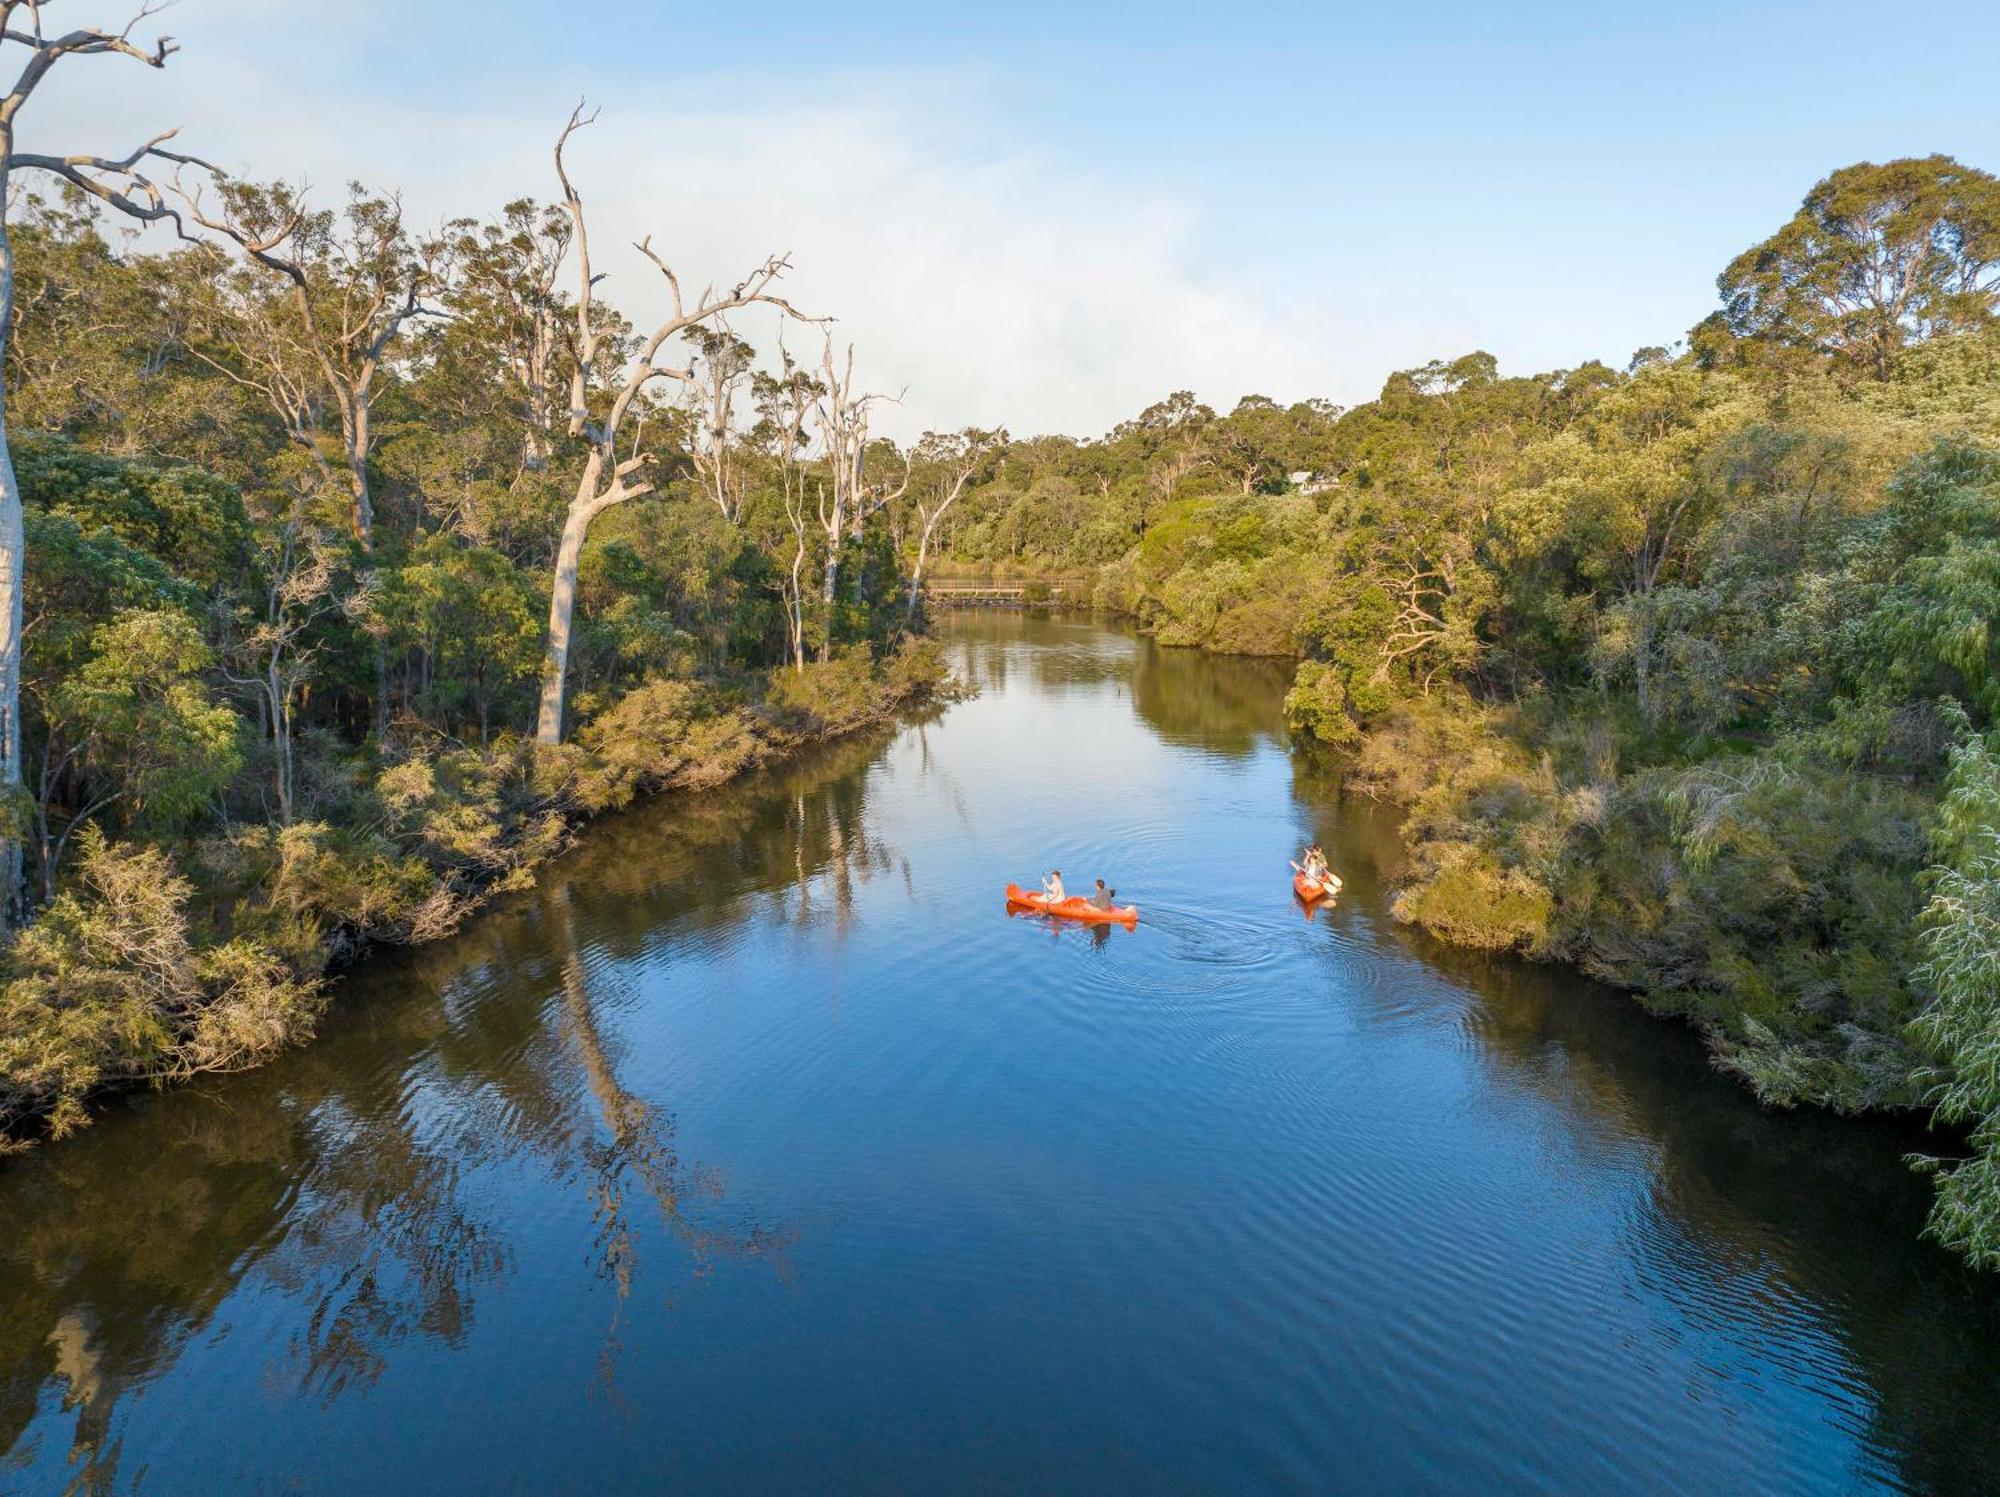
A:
(1101, 897)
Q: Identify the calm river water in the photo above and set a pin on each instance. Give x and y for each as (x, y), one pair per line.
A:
(761, 1150)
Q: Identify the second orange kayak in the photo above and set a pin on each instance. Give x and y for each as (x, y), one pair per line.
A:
(1076, 907)
(1309, 889)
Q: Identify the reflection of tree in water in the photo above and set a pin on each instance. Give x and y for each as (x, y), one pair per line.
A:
(1227, 704)
(1796, 1206)
(384, 1248)
(832, 853)
(1222, 704)
(633, 1146)
(338, 1173)
(120, 1251)
(1051, 652)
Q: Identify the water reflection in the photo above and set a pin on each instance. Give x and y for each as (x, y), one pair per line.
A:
(1749, 1213)
(337, 1178)
(1053, 654)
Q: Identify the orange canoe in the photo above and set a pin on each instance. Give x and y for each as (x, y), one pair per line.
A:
(1076, 907)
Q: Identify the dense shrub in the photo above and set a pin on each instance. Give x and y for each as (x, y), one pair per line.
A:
(825, 696)
(665, 734)
(137, 973)
(117, 983)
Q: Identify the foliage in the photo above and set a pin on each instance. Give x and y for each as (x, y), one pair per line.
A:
(290, 538)
(116, 983)
(1876, 256)
(1683, 671)
(1961, 1021)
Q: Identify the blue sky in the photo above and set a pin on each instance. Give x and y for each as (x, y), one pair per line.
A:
(1046, 215)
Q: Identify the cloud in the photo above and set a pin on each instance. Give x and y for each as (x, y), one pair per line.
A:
(999, 286)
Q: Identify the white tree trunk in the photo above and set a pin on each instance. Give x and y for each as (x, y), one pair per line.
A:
(13, 569)
(917, 572)
(562, 607)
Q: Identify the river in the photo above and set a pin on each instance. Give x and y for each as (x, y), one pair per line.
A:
(760, 1149)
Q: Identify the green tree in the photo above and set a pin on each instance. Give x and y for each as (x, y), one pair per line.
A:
(1876, 257)
(137, 725)
(1961, 1022)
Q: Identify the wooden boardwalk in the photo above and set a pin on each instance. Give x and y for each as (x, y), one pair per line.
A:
(974, 592)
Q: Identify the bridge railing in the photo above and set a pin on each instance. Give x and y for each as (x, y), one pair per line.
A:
(1008, 592)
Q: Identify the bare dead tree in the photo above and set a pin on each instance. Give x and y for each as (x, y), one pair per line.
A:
(956, 457)
(850, 497)
(607, 478)
(721, 371)
(120, 183)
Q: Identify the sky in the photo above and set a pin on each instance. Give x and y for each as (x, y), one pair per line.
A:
(1045, 216)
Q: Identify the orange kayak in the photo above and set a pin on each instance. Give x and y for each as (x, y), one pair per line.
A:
(1076, 907)
(1309, 889)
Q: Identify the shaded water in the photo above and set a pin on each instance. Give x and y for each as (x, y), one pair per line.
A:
(760, 1150)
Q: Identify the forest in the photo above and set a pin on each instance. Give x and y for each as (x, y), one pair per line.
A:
(360, 563)
(353, 563)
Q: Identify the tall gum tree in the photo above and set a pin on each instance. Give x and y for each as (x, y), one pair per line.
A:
(505, 300)
(722, 372)
(784, 405)
(607, 479)
(120, 183)
(950, 460)
(1876, 257)
(851, 496)
(355, 280)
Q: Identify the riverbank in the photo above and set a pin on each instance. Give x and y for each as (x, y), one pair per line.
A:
(163, 964)
(1769, 889)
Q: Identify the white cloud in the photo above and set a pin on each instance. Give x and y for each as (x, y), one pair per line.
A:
(999, 287)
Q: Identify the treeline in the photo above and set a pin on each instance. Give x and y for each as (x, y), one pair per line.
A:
(1687, 671)
(355, 563)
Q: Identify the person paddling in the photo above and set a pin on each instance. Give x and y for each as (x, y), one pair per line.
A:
(1315, 869)
(1052, 887)
(1101, 897)
(1321, 874)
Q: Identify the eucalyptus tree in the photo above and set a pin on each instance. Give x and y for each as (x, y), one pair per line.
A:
(608, 409)
(350, 284)
(1876, 257)
(276, 653)
(1170, 438)
(785, 404)
(506, 299)
(101, 340)
(852, 495)
(119, 182)
(721, 372)
(137, 724)
(949, 459)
